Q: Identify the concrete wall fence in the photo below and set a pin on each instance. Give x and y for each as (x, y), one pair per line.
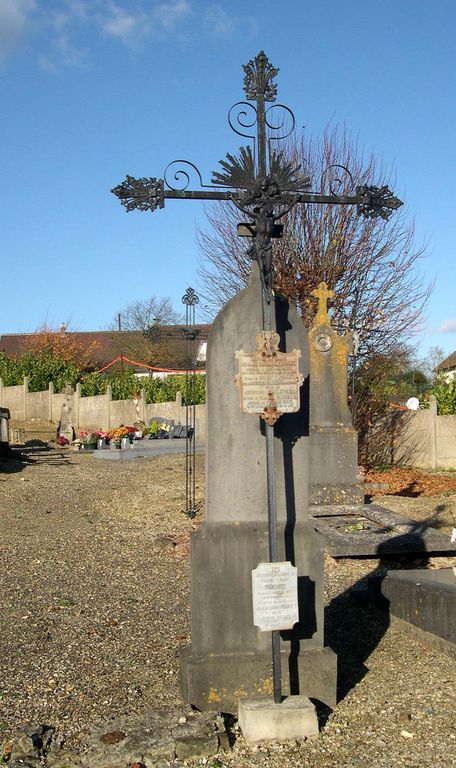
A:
(97, 412)
(426, 441)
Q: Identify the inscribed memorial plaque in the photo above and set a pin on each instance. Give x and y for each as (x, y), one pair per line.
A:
(269, 380)
(275, 596)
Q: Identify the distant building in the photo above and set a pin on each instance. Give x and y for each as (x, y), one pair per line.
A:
(164, 348)
(447, 368)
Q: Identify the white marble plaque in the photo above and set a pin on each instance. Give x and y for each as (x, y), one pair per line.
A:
(275, 596)
(269, 380)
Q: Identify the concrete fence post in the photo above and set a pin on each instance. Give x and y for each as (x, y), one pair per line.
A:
(433, 415)
(25, 391)
(76, 402)
(142, 406)
(50, 397)
(108, 405)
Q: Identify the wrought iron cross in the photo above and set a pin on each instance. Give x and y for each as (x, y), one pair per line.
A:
(260, 181)
(265, 186)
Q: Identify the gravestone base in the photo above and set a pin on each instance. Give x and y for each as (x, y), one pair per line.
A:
(214, 681)
(333, 466)
(423, 603)
(262, 720)
(229, 657)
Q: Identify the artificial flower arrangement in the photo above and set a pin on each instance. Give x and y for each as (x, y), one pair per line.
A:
(87, 437)
(117, 434)
(159, 429)
(153, 428)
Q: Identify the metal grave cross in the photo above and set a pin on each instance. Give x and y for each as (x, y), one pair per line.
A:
(264, 185)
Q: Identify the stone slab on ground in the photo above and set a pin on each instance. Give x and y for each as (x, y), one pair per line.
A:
(423, 603)
(370, 530)
(262, 720)
(143, 449)
(159, 736)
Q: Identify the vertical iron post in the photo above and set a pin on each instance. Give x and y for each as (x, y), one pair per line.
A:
(190, 299)
(263, 252)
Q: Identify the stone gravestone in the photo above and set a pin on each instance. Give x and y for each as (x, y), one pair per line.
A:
(333, 449)
(66, 424)
(229, 657)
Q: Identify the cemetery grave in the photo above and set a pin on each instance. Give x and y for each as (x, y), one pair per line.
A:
(239, 651)
(373, 530)
(102, 615)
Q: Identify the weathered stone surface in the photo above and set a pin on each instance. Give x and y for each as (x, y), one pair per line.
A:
(333, 466)
(235, 443)
(423, 602)
(160, 734)
(229, 657)
(333, 451)
(31, 742)
(357, 530)
(209, 680)
(262, 720)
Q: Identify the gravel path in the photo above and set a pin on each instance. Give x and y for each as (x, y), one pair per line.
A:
(94, 604)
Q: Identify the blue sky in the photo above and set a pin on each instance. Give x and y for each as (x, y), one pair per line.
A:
(94, 89)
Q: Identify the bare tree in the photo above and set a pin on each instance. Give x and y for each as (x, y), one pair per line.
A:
(141, 315)
(372, 265)
(434, 356)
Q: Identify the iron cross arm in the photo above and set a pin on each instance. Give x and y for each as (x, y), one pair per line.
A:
(148, 194)
(371, 202)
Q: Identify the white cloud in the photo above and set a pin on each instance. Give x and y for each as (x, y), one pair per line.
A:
(170, 15)
(64, 22)
(219, 23)
(123, 25)
(448, 326)
(131, 26)
(14, 20)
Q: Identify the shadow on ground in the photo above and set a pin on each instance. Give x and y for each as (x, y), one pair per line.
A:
(355, 621)
(17, 459)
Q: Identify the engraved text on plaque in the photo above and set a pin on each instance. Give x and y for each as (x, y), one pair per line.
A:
(269, 380)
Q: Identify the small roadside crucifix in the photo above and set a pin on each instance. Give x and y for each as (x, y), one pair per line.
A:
(264, 185)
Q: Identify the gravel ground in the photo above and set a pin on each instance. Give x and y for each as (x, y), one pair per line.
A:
(94, 604)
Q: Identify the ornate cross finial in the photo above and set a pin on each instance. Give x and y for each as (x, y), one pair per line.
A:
(190, 297)
(323, 294)
(259, 74)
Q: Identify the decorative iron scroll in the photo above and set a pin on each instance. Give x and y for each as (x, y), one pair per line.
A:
(239, 119)
(286, 112)
(190, 297)
(259, 74)
(145, 194)
(180, 171)
(339, 178)
(376, 201)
